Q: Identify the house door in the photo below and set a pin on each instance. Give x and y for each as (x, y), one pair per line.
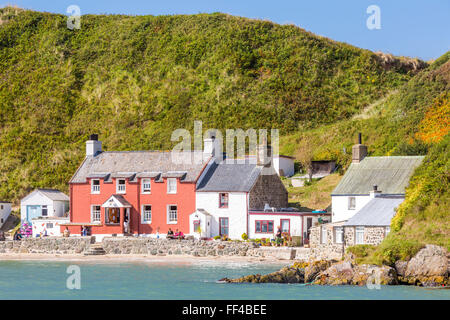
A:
(33, 212)
(308, 226)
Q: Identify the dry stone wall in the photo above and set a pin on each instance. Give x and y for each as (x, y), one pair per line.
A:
(49, 245)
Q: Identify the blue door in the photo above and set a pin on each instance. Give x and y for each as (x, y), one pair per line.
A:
(33, 212)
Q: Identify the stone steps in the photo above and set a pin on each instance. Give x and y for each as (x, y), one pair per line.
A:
(95, 250)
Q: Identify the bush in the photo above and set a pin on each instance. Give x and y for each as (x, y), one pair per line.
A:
(216, 237)
(244, 236)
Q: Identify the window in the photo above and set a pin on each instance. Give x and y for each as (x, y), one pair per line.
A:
(351, 203)
(323, 236)
(121, 186)
(95, 213)
(44, 211)
(264, 226)
(386, 231)
(339, 235)
(223, 226)
(285, 225)
(197, 226)
(223, 200)
(49, 225)
(172, 214)
(146, 185)
(146, 213)
(1, 221)
(171, 185)
(95, 186)
(359, 235)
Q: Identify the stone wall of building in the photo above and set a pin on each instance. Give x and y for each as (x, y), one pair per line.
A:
(332, 250)
(268, 189)
(49, 245)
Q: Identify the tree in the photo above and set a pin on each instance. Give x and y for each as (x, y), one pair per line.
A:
(305, 154)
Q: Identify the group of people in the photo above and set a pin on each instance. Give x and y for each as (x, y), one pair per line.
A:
(176, 235)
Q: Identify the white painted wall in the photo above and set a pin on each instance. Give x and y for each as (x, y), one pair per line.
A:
(55, 208)
(5, 210)
(286, 164)
(339, 205)
(295, 222)
(236, 211)
(205, 225)
(52, 226)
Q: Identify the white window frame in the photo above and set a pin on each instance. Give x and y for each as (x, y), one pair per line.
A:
(359, 231)
(339, 235)
(143, 214)
(351, 206)
(119, 185)
(174, 184)
(99, 213)
(146, 182)
(49, 225)
(95, 189)
(323, 238)
(46, 210)
(169, 212)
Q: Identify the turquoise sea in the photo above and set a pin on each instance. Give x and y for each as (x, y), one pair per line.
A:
(47, 280)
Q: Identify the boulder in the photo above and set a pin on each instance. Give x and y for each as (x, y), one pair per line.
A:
(314, 268)
(337, 274)
(285, 275)
(429, 267)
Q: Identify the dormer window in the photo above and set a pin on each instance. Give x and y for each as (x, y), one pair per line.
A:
(172, 185)
(351, 203)
(95, 186)
(146, 185)
(121, 186)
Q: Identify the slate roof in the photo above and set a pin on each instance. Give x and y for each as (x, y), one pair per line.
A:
(232, 177)
(377, 212)
(390, 174)
(54, 194)
(132, 164)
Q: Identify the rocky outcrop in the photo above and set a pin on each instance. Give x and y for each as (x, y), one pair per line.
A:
(285, 275)
(312, 269)
(345, 272)
(429, 267)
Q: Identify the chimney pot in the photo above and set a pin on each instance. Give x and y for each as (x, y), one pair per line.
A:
(93, 146)
(359, 151)
(93, 137)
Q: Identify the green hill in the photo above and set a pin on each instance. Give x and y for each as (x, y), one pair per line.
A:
(134, 79)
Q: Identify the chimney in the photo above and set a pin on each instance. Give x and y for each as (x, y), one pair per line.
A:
(359, 151)
(264, 154)
(212, 147)
(375, 192)
(93, 146)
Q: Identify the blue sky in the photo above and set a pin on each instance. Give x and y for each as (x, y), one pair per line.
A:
(414, 28)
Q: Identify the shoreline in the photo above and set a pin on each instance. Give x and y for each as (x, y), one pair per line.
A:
(116, 258)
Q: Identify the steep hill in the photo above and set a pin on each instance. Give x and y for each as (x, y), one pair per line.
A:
(134, 79)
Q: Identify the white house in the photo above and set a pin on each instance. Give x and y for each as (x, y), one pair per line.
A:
(43, 203)
(5, 210)
(367, 176)
(284, 165)
(228, 190)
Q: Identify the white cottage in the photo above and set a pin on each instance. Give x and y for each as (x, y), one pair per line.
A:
(368, 175)
(43, 203)
(5, 211)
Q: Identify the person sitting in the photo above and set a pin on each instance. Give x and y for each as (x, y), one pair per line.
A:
(66, 233)
(278, 240)
(170, 234)
(180, 235)
(2, 236)
(17, 236)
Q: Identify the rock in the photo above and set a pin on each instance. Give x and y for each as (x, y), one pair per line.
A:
(314, 268)
(400, 267)
(285, 275)
(429, 267)
(337, 274)
(383, 275)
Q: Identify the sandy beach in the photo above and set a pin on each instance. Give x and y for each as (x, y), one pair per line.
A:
(133, 258)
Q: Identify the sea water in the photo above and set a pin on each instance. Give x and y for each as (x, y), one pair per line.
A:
(164, 280)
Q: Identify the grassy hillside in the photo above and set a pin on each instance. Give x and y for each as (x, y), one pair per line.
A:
(134, 79)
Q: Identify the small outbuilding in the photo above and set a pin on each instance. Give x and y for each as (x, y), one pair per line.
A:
(43, 203)
(5, 210)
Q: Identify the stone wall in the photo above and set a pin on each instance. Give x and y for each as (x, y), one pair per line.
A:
(49, 245)
(268, 189)
(198, 248)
